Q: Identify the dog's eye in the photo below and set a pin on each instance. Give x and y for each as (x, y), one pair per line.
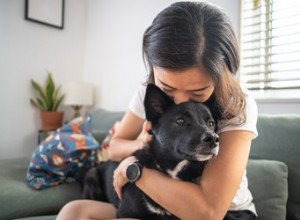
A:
(180, 121)
(211, 123)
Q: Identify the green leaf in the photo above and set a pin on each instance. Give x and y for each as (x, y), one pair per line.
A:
(49, 91)
(58, 102)
(39, 90)
(37, 104)
(41, 104)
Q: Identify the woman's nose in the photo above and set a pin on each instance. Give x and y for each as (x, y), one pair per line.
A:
(180, 98)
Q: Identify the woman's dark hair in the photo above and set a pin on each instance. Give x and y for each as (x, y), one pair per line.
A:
(197, 34)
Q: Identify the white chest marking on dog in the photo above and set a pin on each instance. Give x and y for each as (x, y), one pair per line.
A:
(156, 210)
(177, 169)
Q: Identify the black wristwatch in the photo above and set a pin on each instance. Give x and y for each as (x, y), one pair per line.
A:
(134, 172)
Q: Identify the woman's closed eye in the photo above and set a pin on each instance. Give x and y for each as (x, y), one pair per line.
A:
(167, 90)
(197, 94)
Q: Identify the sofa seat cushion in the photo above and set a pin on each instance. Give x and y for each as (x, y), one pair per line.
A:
(268, 184)
(45, 217)
(17, 200)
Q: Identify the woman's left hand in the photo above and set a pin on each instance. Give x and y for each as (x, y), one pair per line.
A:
(119, 177)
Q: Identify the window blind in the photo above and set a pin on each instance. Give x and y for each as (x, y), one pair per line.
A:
(270, 44)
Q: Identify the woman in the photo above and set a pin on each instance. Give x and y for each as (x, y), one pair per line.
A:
(191, 53)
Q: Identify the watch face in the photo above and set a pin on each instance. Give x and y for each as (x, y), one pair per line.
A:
(133, 172)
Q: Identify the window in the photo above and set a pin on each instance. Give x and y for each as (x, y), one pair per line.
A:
(270, 44)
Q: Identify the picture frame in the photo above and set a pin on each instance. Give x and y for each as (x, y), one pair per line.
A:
(47, 12)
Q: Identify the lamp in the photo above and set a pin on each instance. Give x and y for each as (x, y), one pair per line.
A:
(78, 94)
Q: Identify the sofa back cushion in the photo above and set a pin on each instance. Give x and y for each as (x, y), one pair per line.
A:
(279, 139)
(103, 120)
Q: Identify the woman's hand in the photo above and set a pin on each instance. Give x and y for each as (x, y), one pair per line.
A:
(145, 136)
(120, 175)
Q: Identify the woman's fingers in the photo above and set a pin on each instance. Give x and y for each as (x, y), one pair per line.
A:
(119, 177)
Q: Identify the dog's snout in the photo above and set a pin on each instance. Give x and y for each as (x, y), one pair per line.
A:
(209, 138)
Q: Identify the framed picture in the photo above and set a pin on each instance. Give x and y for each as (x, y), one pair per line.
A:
(47, 12)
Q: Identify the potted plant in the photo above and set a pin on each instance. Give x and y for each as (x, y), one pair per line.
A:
(48, 100)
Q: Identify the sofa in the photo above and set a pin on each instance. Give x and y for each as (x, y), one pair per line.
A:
(273, 172)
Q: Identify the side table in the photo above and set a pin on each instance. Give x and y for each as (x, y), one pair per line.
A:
(42, 135)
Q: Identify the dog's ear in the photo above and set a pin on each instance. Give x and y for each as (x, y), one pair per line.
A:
(156, 102)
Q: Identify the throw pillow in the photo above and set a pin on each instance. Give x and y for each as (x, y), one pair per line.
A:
(64, 155)
(268, 184)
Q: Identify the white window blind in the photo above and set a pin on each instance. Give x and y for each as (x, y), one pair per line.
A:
(270, 44)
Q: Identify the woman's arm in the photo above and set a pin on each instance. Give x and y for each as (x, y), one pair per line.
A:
(128, 137)
(219, 182)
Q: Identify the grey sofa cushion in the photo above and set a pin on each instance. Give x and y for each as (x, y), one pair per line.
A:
(45, 217)
(279, 139)
(268, 184)
(103, 119)
(17, 200)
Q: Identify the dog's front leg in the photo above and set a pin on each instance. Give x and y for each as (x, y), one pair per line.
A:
(92, 186)
(145, 157)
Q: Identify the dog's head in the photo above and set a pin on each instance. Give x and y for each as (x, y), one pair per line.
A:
(183, 131)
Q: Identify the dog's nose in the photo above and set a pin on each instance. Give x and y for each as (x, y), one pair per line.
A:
(209, 138)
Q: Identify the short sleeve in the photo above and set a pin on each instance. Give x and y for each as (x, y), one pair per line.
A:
(136, 105)
(250, 118)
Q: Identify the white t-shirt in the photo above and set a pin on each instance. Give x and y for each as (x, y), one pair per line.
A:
(243, 197)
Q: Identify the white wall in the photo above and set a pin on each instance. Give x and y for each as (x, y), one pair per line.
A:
(114, 45)
(100, 43)
(27, 50)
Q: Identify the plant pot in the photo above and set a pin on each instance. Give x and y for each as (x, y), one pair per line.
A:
(51, 120)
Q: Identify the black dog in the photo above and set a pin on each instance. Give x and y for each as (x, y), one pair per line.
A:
(184, 139)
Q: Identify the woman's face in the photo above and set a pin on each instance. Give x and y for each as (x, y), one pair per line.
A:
(192, 84)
